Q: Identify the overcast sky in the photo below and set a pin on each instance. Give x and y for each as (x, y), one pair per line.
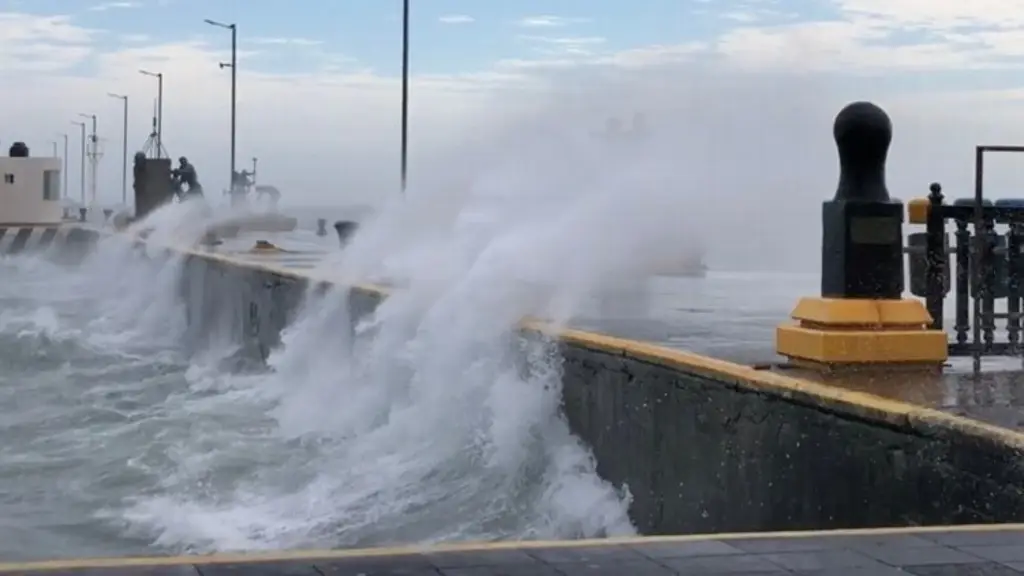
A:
(739, 95)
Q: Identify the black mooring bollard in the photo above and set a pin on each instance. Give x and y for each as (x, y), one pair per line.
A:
(82, 213)
(345, 230)
(321, 227)
(107, 212)
(862, 242)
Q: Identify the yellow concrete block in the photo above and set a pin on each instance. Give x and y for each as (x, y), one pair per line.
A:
(873, 314)
(917, 211)
(861, 346)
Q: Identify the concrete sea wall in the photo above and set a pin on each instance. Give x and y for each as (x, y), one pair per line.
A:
(708, 446)
(64, 242)
(705, 445)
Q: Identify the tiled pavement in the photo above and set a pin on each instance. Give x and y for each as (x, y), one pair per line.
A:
(951, 552)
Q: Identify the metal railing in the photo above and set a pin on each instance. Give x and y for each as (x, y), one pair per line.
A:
(989, 267)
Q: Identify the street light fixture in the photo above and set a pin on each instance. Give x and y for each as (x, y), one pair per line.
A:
(159, 109)
(234, 93)
(124, 148)
(82, 172)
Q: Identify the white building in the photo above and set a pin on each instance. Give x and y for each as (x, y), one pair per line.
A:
(30, 192)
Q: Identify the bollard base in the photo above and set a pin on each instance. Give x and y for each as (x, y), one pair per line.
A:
(833, 333)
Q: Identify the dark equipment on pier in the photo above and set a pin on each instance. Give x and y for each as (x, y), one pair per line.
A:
(151, 183)
(345, 230)
(18, 150)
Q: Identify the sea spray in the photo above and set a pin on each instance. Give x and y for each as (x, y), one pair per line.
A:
(439, 422)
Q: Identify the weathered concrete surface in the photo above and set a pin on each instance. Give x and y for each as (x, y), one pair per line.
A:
(705, 448)
(246, 305)
(705, 454)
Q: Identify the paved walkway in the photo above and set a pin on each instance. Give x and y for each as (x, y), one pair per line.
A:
(967, 551)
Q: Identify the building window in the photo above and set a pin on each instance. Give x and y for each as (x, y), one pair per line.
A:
(8, 178)
(51, 185)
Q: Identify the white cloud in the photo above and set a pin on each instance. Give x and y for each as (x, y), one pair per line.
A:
(874, 35)
(279, 41)
(574, 46)
(42, 43)
(655, 56)
(547, 21)
(745, 17)
(938, 14)
(113, 6)
(456, 19)
(566, 40)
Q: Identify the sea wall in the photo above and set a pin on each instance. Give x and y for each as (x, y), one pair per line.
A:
(705, 445)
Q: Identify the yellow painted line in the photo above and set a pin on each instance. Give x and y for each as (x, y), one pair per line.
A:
(301, 555)
(857, 404)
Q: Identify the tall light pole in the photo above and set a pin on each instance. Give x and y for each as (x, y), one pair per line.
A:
(405, 90)
(65, 169)
(159, 109)
(234, 93)
(124, 149)
(94, 158)
(82, 174)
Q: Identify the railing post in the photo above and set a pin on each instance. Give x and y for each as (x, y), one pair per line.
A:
(964, 290)
(991, 282)
(935, 255)
(1013, 283)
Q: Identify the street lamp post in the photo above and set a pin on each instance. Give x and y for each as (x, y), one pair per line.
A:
(124, 149)
(234, 92)
(159, 109)
(405, 90)
(65, 169)
(82, 174)
(94, 158)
